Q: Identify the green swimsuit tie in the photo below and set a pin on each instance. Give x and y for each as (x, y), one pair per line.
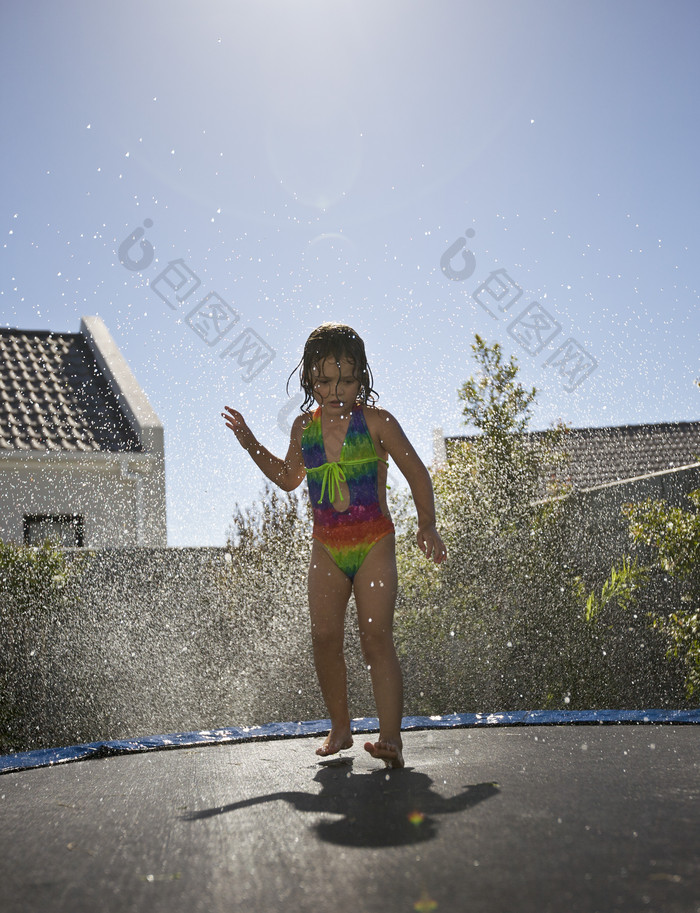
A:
(333, 475)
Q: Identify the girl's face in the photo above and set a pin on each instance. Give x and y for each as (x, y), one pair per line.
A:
(334, 383)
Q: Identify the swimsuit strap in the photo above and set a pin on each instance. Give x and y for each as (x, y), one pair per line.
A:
(332, 472)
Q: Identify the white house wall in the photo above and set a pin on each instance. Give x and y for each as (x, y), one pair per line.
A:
(120, 498)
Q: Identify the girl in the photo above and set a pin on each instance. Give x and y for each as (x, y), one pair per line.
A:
(342, 448)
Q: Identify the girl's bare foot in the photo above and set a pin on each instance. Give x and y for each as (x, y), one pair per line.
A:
(335, 742)
(387, 751)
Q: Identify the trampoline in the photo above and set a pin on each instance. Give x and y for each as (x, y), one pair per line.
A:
(530, 811)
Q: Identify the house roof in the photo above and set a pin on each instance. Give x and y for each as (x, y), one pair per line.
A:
(54, 397)
(610, 454)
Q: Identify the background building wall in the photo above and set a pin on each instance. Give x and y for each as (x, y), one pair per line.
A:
(122, 500)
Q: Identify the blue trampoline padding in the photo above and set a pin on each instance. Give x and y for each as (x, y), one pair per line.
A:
(26, 760)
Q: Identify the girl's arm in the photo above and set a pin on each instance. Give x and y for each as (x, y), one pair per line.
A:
(287, 473)
(400, 449)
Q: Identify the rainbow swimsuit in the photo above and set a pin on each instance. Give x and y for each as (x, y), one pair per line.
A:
(348, 534)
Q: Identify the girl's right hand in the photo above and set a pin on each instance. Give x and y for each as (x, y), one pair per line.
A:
(235, 421)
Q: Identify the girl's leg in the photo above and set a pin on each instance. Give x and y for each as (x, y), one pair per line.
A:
(329, 591)
(375, 595)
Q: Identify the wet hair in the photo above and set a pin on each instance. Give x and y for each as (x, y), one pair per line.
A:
(334, 340)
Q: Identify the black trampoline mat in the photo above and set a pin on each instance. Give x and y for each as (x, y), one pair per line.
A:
(555, 818)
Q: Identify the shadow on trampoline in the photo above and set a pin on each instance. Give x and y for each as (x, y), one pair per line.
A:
(380, 809)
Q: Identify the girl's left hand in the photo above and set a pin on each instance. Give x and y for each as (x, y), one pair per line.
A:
(430, 543)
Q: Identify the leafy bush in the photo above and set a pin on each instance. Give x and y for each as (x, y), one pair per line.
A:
(499, 624)
(665, 586)
(33, 590)
(31, 579)
(265, 579)
(504, 623)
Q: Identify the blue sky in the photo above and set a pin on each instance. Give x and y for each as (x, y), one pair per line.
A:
(311, 161)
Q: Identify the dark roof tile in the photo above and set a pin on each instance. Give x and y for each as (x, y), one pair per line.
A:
(53, 396)
(601, 455)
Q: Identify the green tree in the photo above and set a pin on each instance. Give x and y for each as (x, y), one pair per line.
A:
(499, 623)
(31, 579)
(661, 581)
(264, 580)
(34, 589)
